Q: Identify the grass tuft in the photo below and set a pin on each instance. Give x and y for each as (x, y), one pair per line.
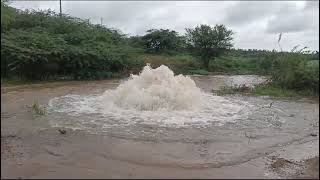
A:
(37, 109)
(268, 89)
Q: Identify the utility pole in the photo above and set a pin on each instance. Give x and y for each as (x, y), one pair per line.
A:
(101, 20)
(280, 36)
(60, 8)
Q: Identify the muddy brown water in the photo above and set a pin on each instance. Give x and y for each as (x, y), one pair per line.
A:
(32, 148)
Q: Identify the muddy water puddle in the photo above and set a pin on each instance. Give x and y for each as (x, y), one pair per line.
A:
(214, 149)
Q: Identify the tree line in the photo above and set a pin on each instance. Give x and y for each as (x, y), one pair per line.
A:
(204, 41)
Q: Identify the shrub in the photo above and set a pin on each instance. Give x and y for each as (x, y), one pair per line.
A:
(37, 109)
(41, 44)
(291, 70)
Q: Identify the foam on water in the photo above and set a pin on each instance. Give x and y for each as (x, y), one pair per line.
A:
(155, 96)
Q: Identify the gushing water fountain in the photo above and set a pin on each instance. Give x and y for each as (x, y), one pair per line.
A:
(155, 96)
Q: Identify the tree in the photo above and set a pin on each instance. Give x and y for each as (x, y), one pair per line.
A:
(208, 42)
(163, 40)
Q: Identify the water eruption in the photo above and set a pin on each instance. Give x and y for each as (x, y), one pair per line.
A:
(155, 89)
(155, 97)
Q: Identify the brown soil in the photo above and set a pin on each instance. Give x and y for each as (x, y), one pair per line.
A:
(306, 169)
(312, 170)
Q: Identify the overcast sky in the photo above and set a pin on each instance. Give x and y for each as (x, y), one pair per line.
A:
(257, 24)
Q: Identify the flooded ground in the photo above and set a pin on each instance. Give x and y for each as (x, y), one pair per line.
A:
(273, 137)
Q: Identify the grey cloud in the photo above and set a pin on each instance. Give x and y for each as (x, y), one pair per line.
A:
(291, 19)
(246, 12)
(131, 17)
(288, 24)
(312, 5)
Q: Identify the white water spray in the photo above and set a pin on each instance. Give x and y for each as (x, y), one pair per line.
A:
(155, 89)
(155, 96)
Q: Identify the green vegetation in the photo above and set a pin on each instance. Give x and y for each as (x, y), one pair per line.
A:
(292, 71)
(37, 109)
(235, 65)
(42, 45)
(208, 43)
(180, 64)
(273, 90)
(199, 71)
(268, 89)
(162, 41)
(234, 90)
(7, 15)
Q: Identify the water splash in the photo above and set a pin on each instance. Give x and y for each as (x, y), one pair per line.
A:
(155, 89)
(156, 97)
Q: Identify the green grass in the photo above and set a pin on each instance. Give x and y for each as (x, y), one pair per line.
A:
(199, 71)
(22, 81)
(188, 64)
(11, 81)
(276, 91)
(264, 90)
(233, 90)
(17, 81)
(234, 65)
(272, 90)
(37, 109)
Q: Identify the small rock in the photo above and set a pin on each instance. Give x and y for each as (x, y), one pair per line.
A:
(62, 131)
(270, 105)
(313, 134)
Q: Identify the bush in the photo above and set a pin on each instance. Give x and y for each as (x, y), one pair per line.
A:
(274, 90)
(234, 65)
(40, 45)
(292, 71)
(180, 64)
